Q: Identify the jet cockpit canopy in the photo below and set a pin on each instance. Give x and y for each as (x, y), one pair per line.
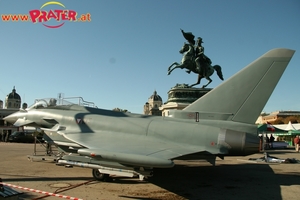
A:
(52, 102)
(48, 102)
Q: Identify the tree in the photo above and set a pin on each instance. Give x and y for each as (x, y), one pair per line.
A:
(293, 119)
(279, 120)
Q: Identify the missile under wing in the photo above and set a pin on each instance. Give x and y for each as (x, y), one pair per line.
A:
(127, 144)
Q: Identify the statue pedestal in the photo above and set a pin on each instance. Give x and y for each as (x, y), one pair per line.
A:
(180, 96)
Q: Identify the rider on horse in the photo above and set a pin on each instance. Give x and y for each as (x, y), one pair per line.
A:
(202, 61)
(194, 60)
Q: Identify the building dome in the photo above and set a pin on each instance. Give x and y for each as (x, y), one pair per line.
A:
(152, 106)
(155, 97)
(13, 100)
(13, 95)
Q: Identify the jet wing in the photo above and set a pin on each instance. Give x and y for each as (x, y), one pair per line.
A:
(136, 151)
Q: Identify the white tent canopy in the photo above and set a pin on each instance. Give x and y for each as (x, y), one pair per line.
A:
(288, 127)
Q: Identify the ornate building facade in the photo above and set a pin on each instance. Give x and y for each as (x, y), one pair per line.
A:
(274, 116)
(152, 106)
(181, 96)
(12, 104)
(13, 100)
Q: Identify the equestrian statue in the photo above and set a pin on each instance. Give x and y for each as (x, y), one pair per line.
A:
(195, 60)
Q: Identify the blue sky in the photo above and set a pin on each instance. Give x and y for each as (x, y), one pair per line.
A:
(121, 56)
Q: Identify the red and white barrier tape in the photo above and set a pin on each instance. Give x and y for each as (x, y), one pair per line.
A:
(41, 192)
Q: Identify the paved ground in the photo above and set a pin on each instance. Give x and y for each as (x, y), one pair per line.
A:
(232, 178)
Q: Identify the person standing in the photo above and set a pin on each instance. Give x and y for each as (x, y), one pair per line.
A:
(4, 132)
(271, 141)
(267, 145)
(296, 143)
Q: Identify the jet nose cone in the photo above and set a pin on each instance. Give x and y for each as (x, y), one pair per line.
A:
(14, 117)
(11, 118)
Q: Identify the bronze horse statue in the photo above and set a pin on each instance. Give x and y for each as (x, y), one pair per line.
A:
(188, 62)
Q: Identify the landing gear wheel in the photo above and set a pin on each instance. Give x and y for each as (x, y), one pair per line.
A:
(99, 176)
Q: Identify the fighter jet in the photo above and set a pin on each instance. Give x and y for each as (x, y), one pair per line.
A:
(219, 124)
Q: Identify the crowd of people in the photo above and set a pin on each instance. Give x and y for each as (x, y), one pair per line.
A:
(268, 142)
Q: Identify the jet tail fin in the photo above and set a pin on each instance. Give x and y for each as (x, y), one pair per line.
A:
(245, 94)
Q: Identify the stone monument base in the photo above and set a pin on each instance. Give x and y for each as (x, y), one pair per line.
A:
(180, 96)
